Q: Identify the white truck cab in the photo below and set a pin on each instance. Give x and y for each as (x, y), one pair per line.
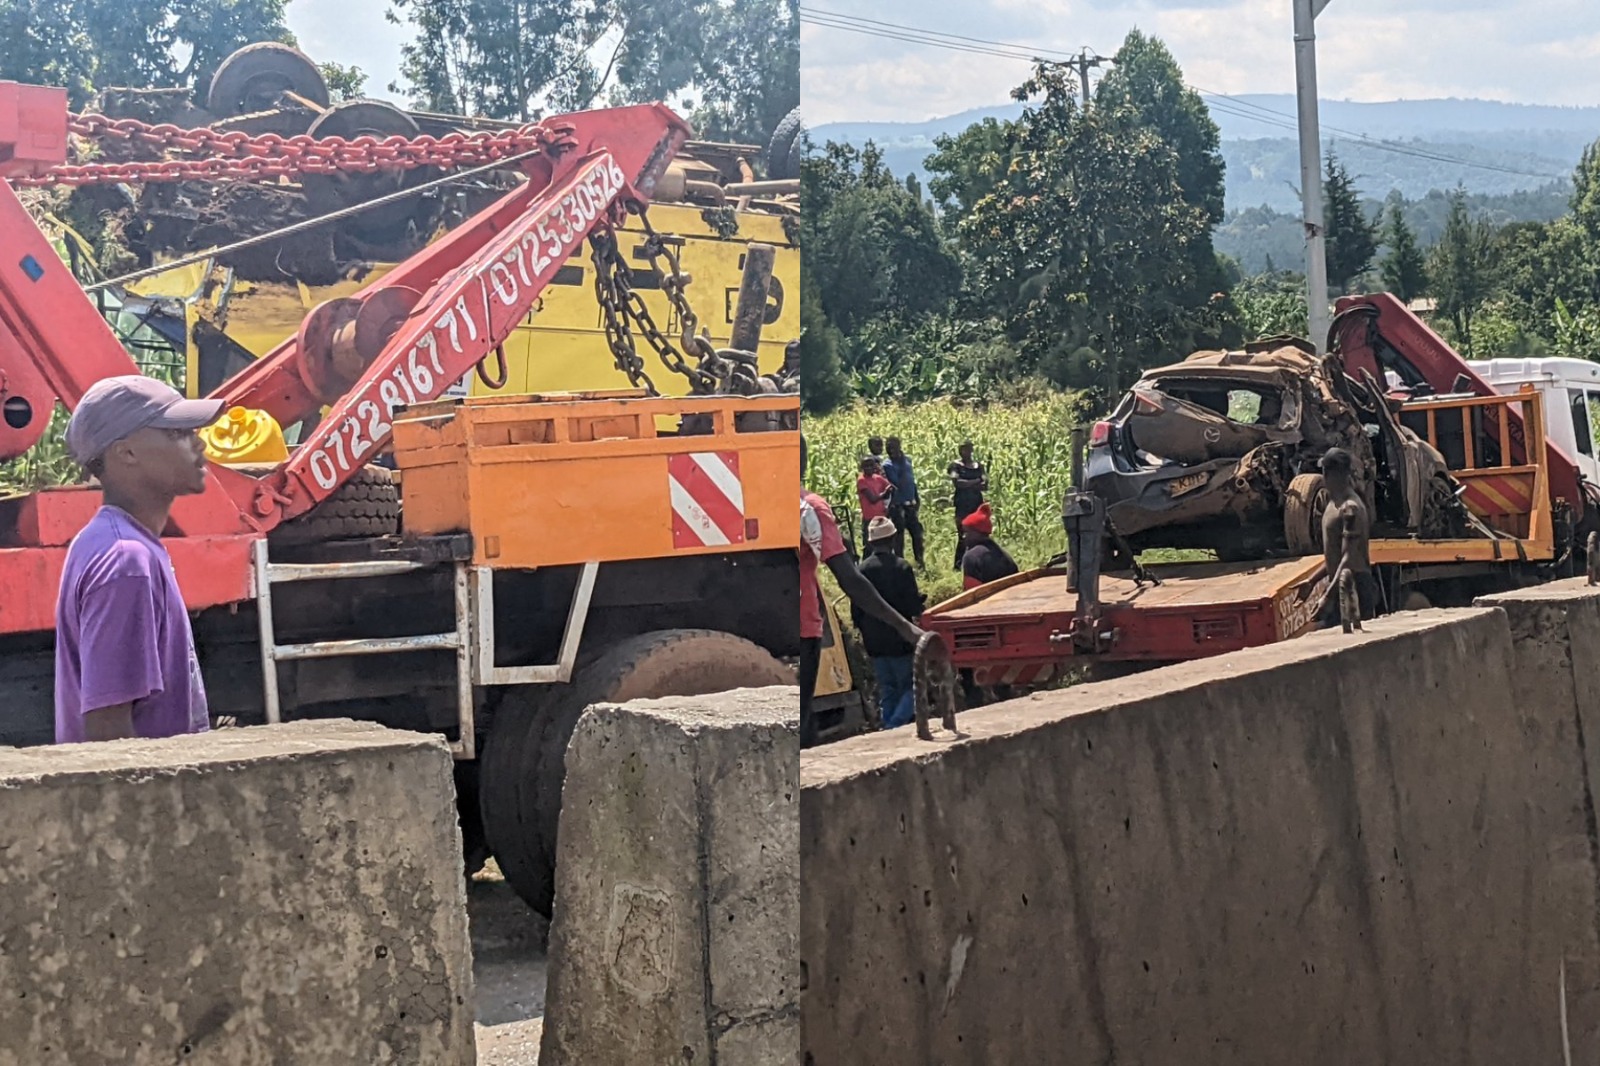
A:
(1571, 390)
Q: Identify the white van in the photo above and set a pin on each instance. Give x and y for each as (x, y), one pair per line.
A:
(1568, 385)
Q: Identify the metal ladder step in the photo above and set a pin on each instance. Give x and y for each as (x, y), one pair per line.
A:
(459, 640)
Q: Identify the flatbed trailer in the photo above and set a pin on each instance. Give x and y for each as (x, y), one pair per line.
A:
(1032, 628)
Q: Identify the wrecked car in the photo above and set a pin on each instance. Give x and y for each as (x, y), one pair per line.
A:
(1220, 451)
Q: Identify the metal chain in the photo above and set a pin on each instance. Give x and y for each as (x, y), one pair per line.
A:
(624, 309)
(612, 290)
(233, 155)
(237, 156)
(724, 371)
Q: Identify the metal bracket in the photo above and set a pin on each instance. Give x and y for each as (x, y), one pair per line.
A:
(484, 670)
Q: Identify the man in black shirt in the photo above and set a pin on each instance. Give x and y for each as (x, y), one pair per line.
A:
(969, 480)
(891, 654)
(985, 560)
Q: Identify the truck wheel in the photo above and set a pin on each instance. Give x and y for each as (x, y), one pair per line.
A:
(368, 505)
(1303, 505)
(524, 761)
(254, 77)
(786, 149)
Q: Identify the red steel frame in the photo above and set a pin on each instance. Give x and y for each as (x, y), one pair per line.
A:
(996, 644)
(1393, 326)
(465, 294)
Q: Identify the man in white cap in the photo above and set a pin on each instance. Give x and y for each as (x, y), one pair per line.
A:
(891, 653)
(125, 661)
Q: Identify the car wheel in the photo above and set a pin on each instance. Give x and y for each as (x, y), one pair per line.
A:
(1303, 505)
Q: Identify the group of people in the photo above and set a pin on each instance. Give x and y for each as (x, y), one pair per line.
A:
(886, 602)
(886, 489)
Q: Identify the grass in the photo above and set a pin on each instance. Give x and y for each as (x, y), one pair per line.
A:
(1027, 450)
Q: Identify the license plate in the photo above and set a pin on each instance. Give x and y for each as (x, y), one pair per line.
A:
(1178, 486)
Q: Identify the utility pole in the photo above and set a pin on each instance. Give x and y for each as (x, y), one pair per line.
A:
(1085, 60)
(1305, 69)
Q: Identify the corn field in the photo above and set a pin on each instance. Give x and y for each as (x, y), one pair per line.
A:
(1026, 450)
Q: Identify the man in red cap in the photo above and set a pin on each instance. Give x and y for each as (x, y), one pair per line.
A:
(984, 560)
(125, 661)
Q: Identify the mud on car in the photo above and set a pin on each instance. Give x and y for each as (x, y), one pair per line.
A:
(1220, 451)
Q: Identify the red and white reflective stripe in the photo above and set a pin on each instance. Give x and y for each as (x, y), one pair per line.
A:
(1020, 674)
(707, 499)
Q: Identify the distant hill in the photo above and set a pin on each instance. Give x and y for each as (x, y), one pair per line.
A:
(1522, 146)
(1262, 238)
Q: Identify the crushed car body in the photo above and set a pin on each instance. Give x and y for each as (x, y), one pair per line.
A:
(1220, 451)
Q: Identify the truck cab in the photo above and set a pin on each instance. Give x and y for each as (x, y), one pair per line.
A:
(1571, 386)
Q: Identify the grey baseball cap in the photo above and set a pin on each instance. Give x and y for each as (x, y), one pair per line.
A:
(112, 408)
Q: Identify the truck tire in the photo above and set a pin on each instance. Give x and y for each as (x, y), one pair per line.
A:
(524, 760)
(368, 505)
(252, 79)
(786, 149)
(1303, 505)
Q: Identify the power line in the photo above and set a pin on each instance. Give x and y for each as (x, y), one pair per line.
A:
(915, 37)
(1270, 117)
(1244, 109)
(901, 27)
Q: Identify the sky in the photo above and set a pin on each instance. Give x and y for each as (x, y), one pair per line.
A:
(354, 33)
(1519, 51)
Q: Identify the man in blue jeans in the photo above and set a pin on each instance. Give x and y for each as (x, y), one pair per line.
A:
(905, 509)
(891, 654)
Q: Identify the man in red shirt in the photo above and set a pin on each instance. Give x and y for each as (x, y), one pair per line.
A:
(873, 490)
(820, 543)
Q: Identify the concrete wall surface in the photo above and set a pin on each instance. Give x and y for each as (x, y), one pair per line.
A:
(1341, 849)
(675, 938)
(275, 896)
(1555, 638)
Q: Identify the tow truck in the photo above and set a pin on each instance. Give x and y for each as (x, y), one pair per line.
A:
(534, 554)
(1527, 496)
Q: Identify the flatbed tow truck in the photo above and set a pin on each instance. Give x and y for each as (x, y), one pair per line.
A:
(1039, 626)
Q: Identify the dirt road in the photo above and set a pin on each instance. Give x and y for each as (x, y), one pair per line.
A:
(508, 968)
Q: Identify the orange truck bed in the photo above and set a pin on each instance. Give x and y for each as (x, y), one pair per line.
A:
(565, 478)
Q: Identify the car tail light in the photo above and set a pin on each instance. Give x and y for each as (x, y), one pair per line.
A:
(1100, 435)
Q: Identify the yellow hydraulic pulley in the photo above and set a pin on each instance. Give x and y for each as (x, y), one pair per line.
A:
(245, 435)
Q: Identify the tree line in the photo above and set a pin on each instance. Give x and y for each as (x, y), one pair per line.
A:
(1070, 247)
(1073, 248)
(732, 65)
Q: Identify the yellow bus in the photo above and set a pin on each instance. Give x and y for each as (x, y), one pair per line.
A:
(560, 347)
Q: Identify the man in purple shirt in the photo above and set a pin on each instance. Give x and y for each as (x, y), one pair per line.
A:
(125, 662)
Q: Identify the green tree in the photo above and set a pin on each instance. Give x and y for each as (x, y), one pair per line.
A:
(1405, 270)
(516, 59)
(871, 246)
(86, 45)
(1146, 79)
(507, 59)
(344, 83)
(1586, 191)
(1084, 245)
(964, 168)
(1352, 239)
(748, 72)
(823, 385)
(1461, 269)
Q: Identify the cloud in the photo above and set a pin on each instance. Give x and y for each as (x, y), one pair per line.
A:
(1533, 51)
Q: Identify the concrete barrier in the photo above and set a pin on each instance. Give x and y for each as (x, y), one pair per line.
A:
(252, 897)
(675, 938)
(1318, 852)
(1555, 683)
